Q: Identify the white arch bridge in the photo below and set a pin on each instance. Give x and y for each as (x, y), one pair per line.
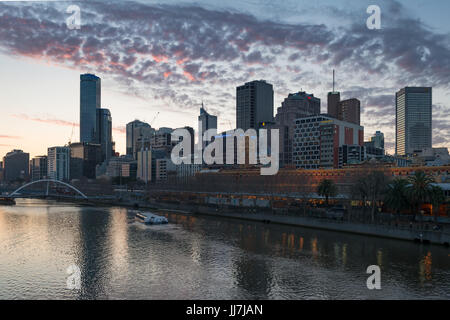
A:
(16, 193)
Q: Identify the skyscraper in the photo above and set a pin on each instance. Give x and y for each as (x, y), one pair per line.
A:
(378, 140)
(84, 157)
(131, 139)
(16, 165)
(349, 110)
(205, 122)
(296, 105)
(333, 100)
(254, 104)
(38, 168)
(90, 101)
(104, 133)
(413, 120)
(144, 165)
(58, 165)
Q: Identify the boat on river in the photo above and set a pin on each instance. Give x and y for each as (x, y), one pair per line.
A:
(151, 218)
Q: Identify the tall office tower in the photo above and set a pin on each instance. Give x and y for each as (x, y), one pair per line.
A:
(205, 122)
(333, 100)
(131, 147)
(378, 140)
(58, 163)
(103, 132)
(84, 157)
(413, 120)
(349, 110)
(254, 104)
(90, 101)
(38, 168)
(144, 165)
(142, 138)
(296, 105)
(16, 165)
(375, 147)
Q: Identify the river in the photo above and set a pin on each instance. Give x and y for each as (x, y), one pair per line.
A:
(200, 257)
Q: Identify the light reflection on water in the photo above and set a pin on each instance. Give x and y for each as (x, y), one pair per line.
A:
(198, 257)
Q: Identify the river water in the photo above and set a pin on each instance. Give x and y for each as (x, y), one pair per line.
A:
(198, 257)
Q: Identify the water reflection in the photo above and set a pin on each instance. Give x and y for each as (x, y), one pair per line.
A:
(201, 257)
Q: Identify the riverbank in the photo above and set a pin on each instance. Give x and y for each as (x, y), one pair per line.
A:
(265, 216)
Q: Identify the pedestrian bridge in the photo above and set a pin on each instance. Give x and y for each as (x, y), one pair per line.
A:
(17, 193)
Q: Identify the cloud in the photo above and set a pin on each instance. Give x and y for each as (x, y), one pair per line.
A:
(60, 122)
(175, 56)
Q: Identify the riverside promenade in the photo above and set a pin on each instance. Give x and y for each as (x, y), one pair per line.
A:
(409, 233)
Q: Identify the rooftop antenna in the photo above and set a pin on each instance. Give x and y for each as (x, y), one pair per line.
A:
(203, 106)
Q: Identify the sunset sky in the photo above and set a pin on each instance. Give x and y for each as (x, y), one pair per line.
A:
(169, 56)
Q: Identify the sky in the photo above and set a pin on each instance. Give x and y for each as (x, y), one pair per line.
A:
(169, 56)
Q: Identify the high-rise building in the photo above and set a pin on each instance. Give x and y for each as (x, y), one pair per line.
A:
(164, 167)
(254, 104)
(144, 165)
(16, 165)
(349, 110)
(38, 168)
(296, 105)
(333, 100)
(90, 101)
(413, 126)
(131, 139)
(84, 157)
(378, 140)
(205, 122)
(58, 163)
(317, 140)
(143, 136)
(104, 133)
(346, 110)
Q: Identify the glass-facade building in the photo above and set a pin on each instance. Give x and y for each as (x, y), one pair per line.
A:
(413, 125)
(131, 138)
(254, 104)
(90, 101)
(104, 133)
(58, 163)
(205, 122)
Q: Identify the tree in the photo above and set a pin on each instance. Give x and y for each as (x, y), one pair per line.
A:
(396, 195)
(371, 187)
(420, 189)
(437, 197)
(327, 188)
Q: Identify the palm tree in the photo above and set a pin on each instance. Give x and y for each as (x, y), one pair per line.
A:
(437, 197)
(396, 195)
(327, 188)
(419, 190)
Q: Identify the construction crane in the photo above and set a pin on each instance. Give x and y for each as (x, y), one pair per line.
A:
(71, 135)
(154, 118)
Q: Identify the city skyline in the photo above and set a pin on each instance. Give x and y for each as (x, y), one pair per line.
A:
(138, 82)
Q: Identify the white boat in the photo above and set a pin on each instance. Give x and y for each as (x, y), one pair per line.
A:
(150, 218)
